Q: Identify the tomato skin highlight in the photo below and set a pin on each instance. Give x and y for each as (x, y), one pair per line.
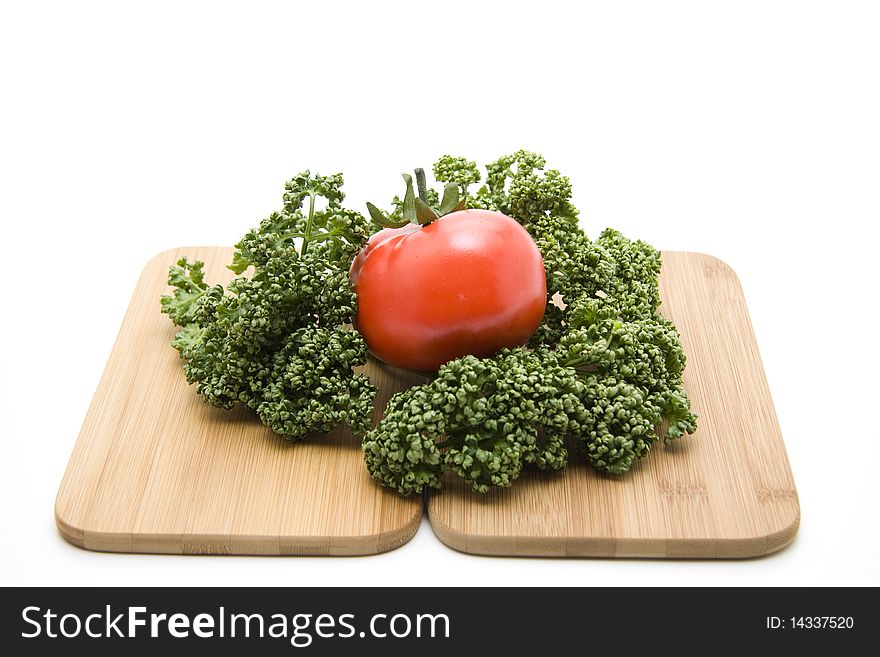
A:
(375, 240)
(470, 282)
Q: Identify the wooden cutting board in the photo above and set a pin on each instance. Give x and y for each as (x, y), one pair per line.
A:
(725, 492)
(157, 470)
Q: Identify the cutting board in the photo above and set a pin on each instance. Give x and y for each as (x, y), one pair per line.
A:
(725, 492)
(157, 470)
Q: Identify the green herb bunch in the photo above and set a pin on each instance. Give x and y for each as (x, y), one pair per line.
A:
(603, 371)
(280, 341)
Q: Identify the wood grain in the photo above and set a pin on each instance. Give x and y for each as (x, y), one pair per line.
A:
(725, 492)
(156, 470)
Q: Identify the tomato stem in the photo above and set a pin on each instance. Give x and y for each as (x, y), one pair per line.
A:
(416, 208)
(422, 184)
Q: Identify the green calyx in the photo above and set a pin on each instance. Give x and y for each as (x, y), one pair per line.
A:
(418, 208)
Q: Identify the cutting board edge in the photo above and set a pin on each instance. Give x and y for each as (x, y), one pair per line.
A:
(232, 544)
(598, 547)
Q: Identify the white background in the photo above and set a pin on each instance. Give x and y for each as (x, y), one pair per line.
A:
(748, 130)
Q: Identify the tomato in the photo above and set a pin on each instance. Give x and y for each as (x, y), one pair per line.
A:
(470, 282)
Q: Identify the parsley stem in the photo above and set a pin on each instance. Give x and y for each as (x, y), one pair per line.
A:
(307, 235)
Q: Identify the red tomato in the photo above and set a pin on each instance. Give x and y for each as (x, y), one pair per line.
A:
(470, 282)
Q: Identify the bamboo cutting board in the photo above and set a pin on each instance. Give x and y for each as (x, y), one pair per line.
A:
(157, 470)
(725, 492)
